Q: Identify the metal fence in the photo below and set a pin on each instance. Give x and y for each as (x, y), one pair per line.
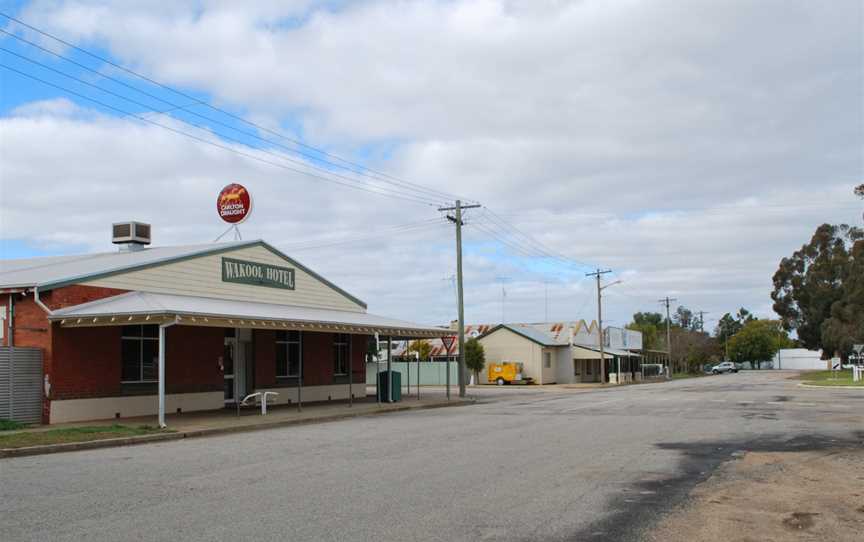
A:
(21, 384)
(432, 373)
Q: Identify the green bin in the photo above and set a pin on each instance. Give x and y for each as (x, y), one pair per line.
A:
(383, 386)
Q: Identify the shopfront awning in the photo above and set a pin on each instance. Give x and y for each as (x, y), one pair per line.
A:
(155, 308)
(608, 351)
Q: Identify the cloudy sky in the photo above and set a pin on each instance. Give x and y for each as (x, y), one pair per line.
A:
(687, 146)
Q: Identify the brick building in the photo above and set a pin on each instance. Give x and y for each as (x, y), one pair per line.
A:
(224, 319)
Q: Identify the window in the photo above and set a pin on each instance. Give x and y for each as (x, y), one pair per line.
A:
(340, 354)
(288, 353)
(140, 353)
(547, 360)
(589, 367)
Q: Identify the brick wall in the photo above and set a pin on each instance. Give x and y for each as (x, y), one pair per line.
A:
(192, 359)
(265, 358)
(317, 359)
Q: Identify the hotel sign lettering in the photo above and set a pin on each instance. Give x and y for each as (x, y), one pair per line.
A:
(257, 274)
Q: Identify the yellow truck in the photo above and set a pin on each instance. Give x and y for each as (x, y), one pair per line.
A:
(507, 372)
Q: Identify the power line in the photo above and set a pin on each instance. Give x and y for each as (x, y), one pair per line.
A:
(420, 198)
(371, 189)
(383, 177)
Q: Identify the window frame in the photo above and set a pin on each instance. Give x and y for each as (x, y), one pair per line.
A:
(140, 339)
(547, 360)
(286, 344)
(337, 344)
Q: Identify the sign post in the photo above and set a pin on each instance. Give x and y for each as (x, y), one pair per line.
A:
(448, 341)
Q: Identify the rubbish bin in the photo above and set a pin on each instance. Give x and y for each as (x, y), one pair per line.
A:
(383, 386)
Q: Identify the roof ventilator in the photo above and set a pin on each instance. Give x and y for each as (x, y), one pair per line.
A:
(130, 236)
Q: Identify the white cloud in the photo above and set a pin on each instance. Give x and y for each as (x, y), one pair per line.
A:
(689, 146)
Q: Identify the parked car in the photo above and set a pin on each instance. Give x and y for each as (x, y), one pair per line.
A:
(725, 367)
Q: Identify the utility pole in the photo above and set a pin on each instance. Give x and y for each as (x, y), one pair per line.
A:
(702, 320)
(667, 300)
(598, 274)
(503, 280)
(459, 290)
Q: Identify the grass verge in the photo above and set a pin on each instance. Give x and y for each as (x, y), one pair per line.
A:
(9, 425)
(75, 434)
(826, 378)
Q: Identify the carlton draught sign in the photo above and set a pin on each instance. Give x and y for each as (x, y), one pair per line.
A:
(234, 203)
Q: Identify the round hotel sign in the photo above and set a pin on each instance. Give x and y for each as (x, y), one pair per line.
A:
(234, 203)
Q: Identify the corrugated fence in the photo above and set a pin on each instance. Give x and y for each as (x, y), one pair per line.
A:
(21, 384)
(432, 373)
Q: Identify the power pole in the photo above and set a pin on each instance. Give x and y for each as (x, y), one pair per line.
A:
(598, 274)
(459, 290)
(667, 301)
(702, 320)
(503, 280)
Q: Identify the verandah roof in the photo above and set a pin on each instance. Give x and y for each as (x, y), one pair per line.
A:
(148, 307)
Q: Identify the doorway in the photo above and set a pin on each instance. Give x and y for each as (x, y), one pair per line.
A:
(236, 364)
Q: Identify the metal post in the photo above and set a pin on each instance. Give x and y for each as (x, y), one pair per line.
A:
(350, 372)
(162, 335)
(418, 376)
(448, 376)
(377, 367)
(389, 370)
(300, 377)
(407, 371)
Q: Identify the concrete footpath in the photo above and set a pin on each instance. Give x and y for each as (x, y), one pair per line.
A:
(199, 424)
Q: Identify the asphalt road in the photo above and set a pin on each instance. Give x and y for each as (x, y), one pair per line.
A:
(527, 465)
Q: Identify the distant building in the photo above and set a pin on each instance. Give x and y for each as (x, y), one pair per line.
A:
(566, 352)
(800, 359)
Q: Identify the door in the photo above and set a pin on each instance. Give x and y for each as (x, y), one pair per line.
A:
(235, 369)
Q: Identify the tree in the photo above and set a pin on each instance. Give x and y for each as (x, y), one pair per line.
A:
(730, 325)
(423, 349)
(475, 357)
(371, 350)
(649, 324)
(692, 349)
(758, 341)
(845, 327)
(806, 285)
(859, 191)
(683, 317)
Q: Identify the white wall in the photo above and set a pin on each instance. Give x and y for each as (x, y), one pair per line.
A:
(800, 359)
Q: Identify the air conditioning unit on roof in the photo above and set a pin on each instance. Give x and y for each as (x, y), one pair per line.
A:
(130, 235)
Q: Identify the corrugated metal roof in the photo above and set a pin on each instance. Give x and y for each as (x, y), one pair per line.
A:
(54, 269)
(147, 303)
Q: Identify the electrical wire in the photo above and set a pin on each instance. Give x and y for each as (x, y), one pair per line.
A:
(371, 189)
(196, 101)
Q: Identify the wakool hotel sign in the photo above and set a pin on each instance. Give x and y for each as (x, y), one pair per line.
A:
(257, 274)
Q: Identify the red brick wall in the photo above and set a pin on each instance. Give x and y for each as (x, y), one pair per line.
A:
(86, 362)
(192, 359)
(317, 359)
(358, 357)
(265, 358)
